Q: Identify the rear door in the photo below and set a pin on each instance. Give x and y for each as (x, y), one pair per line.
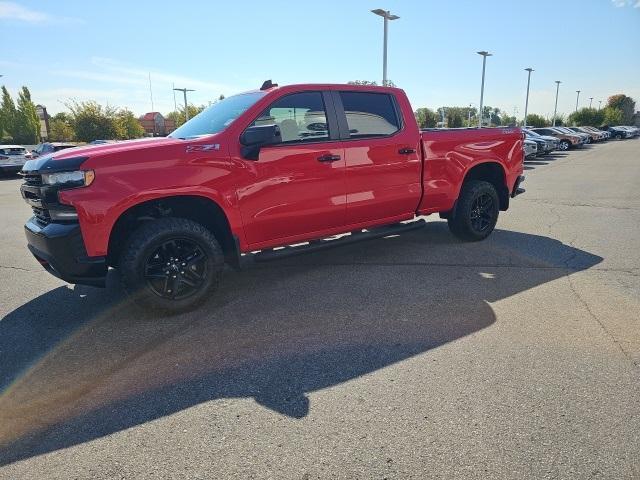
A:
(298, 186)
(383, 170)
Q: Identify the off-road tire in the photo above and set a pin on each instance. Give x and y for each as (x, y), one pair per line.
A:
(146, 240)
(463, 221)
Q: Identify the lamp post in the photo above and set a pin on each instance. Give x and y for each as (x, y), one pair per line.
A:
(526, 103)
(469, 120)
(186, 108)
(599, 104)
(577, 98)
(386, 15)
(484, 64)
(590, 102)
(555, 109)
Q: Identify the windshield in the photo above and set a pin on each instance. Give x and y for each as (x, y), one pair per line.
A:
(218, 116)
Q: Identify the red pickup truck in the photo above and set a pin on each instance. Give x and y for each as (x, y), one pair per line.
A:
(275, 167)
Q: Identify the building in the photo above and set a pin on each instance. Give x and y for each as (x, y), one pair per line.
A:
(155, 125)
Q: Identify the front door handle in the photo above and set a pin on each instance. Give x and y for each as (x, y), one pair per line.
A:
(329, 158)
(407, 151)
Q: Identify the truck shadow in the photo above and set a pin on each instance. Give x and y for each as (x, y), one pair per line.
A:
(79, 363)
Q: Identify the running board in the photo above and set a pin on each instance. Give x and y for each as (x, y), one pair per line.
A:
(357, 236)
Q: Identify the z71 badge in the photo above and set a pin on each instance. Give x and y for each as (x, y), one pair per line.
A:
(203, 148)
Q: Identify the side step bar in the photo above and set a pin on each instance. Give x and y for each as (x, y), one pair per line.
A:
(357, 236)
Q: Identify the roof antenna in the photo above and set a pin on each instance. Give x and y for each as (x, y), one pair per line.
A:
(267, 85)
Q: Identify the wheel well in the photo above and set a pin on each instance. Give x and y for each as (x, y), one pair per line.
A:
(199, 209)
(493, 173)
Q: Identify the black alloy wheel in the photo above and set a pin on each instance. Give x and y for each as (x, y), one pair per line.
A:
(482, 212)
(177, 269)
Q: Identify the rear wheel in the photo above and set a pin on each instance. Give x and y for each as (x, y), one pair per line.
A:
(171, 264)
(476, 211)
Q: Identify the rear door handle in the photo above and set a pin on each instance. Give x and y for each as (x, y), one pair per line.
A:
(407, 151)
(329, 158)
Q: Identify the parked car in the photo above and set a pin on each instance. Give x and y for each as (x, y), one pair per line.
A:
(268, 168)
(101, 142)
(530, 148)
(583, 136)
(605, 135)
(550, 143)
(593, 137)
(566, 140)
(617, 132)
(635, 131)
(50, 147)
(12, 158)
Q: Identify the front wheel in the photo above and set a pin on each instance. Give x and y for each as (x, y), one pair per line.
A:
(171, 264)
(476, 211)
(565, 145)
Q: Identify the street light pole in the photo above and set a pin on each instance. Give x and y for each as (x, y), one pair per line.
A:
(555, 109)
(577, 98)
(186, 108)
(590, 102)
(484, 64)
(599, 104)
(386, 15)
(526, 103)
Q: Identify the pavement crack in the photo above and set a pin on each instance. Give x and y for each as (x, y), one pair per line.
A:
(17, 268)
(575, 204)
(595, 317)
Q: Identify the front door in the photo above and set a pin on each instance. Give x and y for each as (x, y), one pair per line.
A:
(297, 189)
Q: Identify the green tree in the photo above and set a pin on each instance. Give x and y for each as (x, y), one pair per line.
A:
(60, 129)
(370, 82)
(426, 118)
(612, 116)
(92, 121)
(586, 117)
(27, 123)
(455, 120)
(178, 115)
(625, 104)
(534, 120)
(506, 119)
(127, 125)
(7, 115)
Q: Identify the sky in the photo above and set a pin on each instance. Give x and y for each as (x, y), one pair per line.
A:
(105, 51)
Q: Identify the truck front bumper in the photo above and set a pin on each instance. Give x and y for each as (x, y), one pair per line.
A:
(59, 248)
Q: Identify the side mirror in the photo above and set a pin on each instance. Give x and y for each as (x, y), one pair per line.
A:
(253, 138)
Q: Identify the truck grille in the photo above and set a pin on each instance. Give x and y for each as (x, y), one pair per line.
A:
(42, 215)
(32, 179)
(32, 194)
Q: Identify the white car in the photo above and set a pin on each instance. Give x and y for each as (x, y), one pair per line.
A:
(530, 148)
(12, 158)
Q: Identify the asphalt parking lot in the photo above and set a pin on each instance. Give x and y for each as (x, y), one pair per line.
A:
(415, 356)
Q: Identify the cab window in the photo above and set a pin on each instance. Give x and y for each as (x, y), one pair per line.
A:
(369, 114)
(302, 117)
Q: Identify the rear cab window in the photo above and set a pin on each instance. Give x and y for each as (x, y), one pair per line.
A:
(370, 114)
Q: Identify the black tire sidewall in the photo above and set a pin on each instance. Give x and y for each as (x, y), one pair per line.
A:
(144, 241)
(460, 223)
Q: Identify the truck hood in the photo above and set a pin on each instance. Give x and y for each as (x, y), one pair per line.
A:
(109, 148)
(72, 157)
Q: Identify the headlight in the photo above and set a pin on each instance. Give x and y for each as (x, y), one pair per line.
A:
(79, 178)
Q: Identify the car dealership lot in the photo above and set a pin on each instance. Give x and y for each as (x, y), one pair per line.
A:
(514, 357)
